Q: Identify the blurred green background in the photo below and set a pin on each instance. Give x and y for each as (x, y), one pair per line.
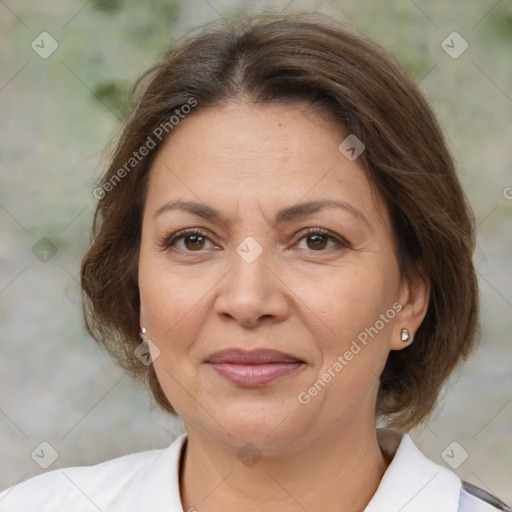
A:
(58, 115)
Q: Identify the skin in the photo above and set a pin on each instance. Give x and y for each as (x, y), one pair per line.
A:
(199, 296)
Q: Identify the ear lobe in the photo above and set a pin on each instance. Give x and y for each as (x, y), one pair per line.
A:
(415, 299)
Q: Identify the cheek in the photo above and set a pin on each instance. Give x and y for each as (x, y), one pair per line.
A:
(350, 300)
(173, 321)
(355, 308)
(168, 303)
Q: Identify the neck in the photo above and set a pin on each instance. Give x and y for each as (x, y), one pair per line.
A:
(339, 470)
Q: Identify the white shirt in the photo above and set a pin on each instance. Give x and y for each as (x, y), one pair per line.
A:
(149, 482)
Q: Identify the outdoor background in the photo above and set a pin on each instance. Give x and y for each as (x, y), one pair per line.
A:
(58, 112)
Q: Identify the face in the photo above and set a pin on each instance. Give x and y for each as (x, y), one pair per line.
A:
(319, 283)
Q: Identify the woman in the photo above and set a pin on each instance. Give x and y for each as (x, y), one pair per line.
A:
(282, 251)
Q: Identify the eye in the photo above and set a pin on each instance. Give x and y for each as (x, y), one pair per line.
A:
(319, 238)
(194, 240)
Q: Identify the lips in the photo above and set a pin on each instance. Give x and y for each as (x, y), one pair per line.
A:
(255, 368)
(257, 356)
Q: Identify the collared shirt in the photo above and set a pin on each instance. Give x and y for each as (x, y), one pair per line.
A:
(149, 481)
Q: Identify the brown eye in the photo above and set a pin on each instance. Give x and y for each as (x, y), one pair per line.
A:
(317, 239)
(193, 241)
(196, 242)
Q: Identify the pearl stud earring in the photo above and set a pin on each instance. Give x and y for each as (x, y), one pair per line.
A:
(405, 335)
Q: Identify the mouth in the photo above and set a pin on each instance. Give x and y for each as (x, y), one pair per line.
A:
(255, 368)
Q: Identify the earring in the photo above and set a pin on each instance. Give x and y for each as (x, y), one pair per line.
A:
(405, 335)
(143, 330)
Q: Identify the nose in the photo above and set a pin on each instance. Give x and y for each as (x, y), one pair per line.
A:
(252, 291)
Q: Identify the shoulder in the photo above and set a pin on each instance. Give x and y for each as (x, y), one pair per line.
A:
(414, 482)
(111, 485)
(474, 499)
(74, 485)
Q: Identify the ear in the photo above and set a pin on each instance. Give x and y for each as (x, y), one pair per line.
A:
(414, 299)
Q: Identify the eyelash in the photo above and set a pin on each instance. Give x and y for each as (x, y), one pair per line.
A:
(166, 241)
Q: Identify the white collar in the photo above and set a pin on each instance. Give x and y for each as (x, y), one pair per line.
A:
(412, 482)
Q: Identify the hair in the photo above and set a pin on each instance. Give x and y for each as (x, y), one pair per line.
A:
(330, 65)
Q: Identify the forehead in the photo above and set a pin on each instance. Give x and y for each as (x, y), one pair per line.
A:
(268, 156)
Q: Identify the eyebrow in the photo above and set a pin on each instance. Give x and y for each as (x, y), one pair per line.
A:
(286, 215)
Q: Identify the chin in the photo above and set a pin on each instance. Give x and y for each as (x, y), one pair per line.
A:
(269, 431)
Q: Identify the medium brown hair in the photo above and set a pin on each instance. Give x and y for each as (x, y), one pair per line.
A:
(330, 65)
